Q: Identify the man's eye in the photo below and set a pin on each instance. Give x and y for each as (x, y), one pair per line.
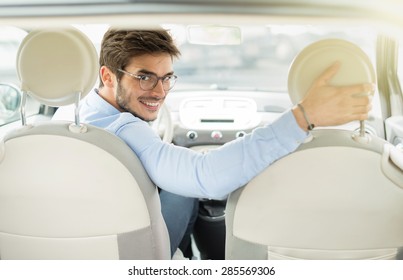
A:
(144, 77)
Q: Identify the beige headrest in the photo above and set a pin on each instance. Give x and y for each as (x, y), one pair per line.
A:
(55, 64)
(355, 66)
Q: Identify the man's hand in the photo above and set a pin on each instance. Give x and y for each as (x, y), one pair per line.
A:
(327, 105)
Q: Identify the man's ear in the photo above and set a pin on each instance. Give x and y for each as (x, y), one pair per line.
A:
(107, 77)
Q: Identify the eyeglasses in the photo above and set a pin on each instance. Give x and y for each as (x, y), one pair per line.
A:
(149, 81)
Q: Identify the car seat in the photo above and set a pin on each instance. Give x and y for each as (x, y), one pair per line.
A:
(70, 190)
(338, 196)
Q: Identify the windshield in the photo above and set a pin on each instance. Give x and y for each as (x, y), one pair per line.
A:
(262, 59)
(258, 62)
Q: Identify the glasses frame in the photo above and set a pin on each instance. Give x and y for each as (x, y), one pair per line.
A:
(141, 76)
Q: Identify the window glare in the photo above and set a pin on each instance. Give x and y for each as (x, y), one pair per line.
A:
(260, 62)
(400, 62)
(263, 58)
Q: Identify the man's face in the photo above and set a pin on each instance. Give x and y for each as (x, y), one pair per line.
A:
(144, 104)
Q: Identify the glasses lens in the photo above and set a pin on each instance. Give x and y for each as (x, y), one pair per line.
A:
(148, 82)
(168, 82)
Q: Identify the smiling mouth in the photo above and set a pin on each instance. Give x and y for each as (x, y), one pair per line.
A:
(151, 105)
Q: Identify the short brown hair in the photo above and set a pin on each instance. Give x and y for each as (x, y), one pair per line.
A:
(120, 45)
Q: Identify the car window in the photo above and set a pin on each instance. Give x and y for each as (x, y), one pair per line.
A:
(10, 40)
(262, 60)
(400, 62)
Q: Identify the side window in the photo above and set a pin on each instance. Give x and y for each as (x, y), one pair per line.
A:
(400, 63)
(10, 40)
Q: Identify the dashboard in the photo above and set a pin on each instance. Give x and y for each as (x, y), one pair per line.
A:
(216, 117)
(204, 119)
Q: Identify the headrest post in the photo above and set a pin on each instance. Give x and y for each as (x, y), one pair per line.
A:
(22, 108)
(76, 127)
(362, 137)
(76, 109)
(362, 129)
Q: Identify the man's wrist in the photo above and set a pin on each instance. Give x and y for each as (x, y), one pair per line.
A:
(299, 117)
(310, 125)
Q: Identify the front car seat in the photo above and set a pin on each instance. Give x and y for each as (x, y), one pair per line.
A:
(69, 190)
(339, 196)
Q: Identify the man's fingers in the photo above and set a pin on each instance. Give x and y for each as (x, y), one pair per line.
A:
(324, 78)
(363, 100)
(359, 90)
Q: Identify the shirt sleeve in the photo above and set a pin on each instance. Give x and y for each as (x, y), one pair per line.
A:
(219, 172)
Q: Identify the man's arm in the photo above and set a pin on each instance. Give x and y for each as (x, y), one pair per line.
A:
(221, 171)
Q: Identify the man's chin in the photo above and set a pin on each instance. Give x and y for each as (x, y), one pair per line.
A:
(148, 118)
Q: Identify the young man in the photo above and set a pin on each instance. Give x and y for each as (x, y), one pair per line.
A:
(136, 74)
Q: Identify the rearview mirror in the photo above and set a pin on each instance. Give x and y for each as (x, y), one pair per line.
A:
(10, 101)
(214, 35)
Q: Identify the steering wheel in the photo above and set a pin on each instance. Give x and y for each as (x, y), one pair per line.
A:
(163, 125)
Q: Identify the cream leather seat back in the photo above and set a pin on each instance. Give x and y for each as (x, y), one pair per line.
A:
(339, 196)
(69, 190)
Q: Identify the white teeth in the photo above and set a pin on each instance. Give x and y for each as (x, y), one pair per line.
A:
(151, 104)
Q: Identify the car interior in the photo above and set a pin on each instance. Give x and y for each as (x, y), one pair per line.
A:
(339, 196)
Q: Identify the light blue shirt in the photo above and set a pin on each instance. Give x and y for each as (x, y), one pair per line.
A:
(186, 172)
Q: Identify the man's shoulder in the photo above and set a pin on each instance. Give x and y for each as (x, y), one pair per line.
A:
(117, 123)
(126, 118)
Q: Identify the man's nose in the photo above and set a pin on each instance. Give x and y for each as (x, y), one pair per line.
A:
(159, 89)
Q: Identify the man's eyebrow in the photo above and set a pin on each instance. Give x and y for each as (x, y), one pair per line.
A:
(147, 72)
